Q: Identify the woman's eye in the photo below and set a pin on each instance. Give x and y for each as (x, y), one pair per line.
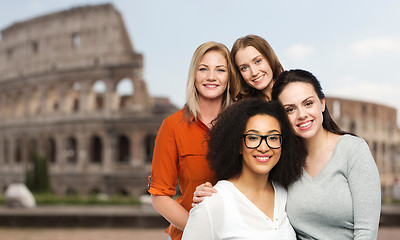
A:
(309, 104)
(202, 69)
(258, 61)
(243, 68)
(289, 110)
(273, 138)
(252, 138)
(221, 70)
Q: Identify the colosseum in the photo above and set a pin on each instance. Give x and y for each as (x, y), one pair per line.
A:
(377, 124)
(72, 90)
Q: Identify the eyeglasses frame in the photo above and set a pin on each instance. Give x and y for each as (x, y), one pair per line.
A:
(263, 137)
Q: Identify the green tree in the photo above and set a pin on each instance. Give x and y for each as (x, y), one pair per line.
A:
(37, 177)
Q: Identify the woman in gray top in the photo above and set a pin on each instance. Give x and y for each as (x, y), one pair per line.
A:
(338, 195)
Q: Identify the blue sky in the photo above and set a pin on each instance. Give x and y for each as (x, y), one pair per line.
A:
(353, 47)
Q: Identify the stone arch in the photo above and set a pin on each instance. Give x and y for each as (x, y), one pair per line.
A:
(18, 151)
(97, 96)
(52, 99)
(34, 102)
(76, 40)
(35, 46)
(19, 105)
(124, 93)
(96, 149)
(352, 127)
(32, 149)
(364, 109)
(393, 158)
(2, 100)
(50, 150)
(149, 144)
(383, 156)
(71, 153)
(5, 151)
(8, 106)
(72, 98)
(375, 149)
(123, 149)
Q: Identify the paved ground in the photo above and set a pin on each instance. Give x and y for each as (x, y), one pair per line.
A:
(385, 233)
(390, 229)
(81, 234)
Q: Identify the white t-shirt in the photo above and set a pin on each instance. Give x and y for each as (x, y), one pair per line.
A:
(229, 214)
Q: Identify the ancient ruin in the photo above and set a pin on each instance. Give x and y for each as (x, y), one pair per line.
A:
(72, 90)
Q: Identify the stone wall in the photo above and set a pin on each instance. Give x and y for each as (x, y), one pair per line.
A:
(71, 89)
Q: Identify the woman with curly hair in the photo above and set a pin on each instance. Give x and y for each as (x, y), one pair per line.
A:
(255, 156)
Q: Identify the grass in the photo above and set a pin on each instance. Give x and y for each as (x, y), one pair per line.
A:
(390, 200)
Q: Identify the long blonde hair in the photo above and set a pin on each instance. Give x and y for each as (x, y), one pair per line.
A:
(192, 107)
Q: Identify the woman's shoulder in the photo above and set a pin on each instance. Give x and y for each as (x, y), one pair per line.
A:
(352, 149)
(224, 191)
(175, 118)
(176, 115)
(349, 141)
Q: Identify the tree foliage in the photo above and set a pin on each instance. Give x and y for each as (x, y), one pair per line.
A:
(37, 177)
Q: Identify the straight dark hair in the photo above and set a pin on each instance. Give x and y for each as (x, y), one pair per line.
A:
(298, 75)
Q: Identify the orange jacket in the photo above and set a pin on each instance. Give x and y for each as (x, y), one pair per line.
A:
(180, 154)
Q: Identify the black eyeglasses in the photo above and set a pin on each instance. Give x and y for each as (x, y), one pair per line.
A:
(252, 140)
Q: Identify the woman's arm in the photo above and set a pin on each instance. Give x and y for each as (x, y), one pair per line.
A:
(171, 210)
(366, 192)
(203, 190)
(164, 176)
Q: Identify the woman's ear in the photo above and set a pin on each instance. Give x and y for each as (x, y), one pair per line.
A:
(323, 105)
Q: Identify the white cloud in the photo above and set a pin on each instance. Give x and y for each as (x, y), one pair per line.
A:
(300, 51)
(368, 47)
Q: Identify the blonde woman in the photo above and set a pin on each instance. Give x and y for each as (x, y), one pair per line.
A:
(180, 148)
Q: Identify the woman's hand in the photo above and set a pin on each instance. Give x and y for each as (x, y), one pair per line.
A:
(203, 190)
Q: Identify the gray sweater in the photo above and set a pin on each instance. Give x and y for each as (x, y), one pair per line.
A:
(343, 201)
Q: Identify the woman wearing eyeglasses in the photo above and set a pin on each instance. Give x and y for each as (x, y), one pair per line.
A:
(255, 156)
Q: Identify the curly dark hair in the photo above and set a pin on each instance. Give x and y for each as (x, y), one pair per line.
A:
(225, 141)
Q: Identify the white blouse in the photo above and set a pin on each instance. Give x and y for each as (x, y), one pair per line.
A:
(229, 214)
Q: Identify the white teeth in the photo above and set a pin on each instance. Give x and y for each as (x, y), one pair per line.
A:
(258, 79)
(305, 124)
(263, 158)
